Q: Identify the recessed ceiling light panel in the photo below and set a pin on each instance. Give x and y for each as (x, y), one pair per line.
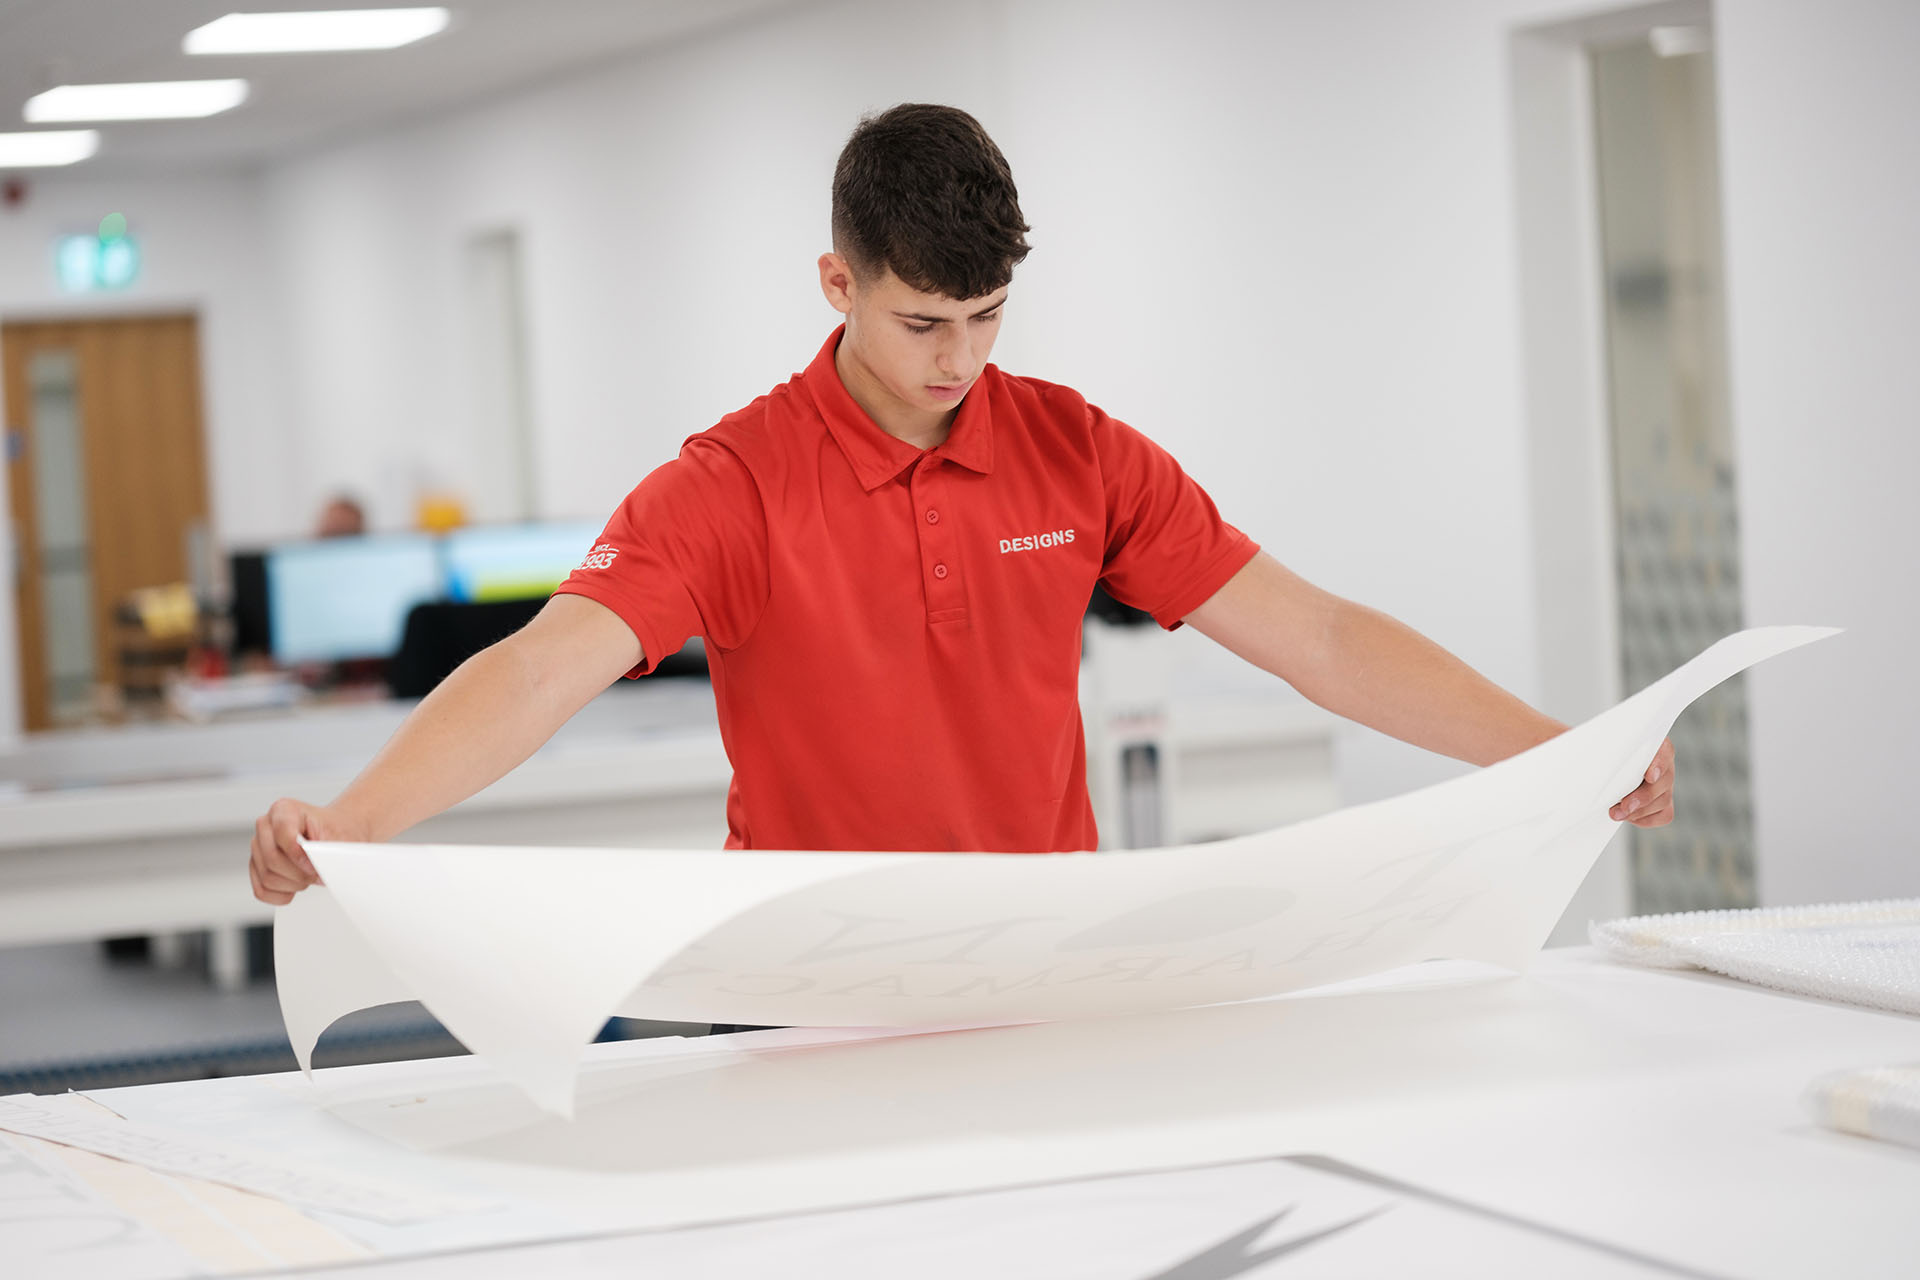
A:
(316, 32)
(163, 100)
(51, 147)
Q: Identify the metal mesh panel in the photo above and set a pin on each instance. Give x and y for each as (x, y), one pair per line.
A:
(1679, 592)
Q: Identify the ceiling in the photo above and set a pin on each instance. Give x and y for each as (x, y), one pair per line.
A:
(302, 100)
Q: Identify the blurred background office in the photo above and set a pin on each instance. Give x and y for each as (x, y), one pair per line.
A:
(1574, 334)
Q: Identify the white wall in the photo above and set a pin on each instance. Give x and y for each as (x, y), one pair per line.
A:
(1278, 238)
(202, 246)
(670, 209)
(1821, 142)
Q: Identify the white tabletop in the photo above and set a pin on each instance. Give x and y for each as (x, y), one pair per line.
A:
(1656, 1112)
(144, 829)
(142, 781)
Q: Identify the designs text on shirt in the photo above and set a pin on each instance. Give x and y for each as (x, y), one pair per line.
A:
(601, 556)
(1036, 541)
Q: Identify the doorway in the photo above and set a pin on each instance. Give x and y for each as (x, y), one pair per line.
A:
(106, 471)
(1630, 447)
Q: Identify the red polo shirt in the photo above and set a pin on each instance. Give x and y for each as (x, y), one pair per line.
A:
(894, 633)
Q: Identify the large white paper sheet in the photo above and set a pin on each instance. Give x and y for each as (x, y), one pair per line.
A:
(53, 1224)
(523, 953)
(172, 1151)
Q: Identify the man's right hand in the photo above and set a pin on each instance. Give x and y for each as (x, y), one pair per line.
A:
(279, 867)
(485, 718)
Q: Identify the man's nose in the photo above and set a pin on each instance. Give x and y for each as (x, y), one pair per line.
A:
(956, 357)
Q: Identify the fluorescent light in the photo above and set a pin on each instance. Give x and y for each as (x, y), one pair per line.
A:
(54, 146)
(315, 32)
(166, 100)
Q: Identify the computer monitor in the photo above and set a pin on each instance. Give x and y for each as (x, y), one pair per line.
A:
(337, 599)
(513, 562)
(247, 575)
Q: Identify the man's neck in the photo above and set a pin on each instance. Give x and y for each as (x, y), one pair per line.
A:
(921, 428)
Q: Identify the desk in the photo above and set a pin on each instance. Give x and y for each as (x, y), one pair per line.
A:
(145, 829)
(1654, 1111)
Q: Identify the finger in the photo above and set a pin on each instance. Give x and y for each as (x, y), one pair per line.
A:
(266, 849)
(278, 883)
(298, 854)
(264, 884)
(306, 862)
(284, 819)
(265, 894)
(272, 857)
(313, 876)
(261, 867)
(1635, 801)
(1662, 765)
(1657, 817)
(289, 821)
(1651, 795)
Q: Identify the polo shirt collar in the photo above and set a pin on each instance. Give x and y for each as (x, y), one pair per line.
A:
(877, 457)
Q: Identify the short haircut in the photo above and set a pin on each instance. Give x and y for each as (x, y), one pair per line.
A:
(922, 191)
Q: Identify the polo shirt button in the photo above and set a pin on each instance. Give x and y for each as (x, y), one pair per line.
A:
(939, 571)
(933, 517)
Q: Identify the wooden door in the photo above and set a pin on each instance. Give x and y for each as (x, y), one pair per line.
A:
(141, 473)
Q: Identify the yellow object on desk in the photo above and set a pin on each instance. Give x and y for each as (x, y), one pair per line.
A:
(439, 512)
(165, 613)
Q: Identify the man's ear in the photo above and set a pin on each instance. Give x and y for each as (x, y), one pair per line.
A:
(836, 282)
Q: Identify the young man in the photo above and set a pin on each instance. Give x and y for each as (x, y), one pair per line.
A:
(889, 557)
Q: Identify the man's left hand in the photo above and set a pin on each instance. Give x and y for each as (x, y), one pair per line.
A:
(1651, 803)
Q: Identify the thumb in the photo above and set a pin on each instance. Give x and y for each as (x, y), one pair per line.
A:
(310, 829)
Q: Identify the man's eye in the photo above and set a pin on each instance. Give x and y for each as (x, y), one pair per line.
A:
(988, 318)
(919, 328)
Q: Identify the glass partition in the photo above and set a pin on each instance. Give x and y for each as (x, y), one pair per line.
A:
(58, 458)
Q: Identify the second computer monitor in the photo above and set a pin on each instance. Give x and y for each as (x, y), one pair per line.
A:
(513, 562)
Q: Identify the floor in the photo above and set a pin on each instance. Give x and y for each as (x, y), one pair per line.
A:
(77, 1016)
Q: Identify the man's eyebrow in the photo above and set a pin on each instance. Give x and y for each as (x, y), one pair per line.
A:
(989, 309)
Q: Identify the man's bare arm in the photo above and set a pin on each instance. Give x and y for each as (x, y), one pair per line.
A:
(1359, 663)
(485, 718)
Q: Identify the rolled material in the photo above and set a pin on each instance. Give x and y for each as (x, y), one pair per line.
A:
(1876, 1102)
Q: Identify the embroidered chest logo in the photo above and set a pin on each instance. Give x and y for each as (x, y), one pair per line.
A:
(600, 557)
(1036, 541)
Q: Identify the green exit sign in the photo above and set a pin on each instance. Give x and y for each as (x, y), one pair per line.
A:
(93, 263)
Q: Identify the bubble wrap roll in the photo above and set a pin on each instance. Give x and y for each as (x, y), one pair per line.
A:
(1865, 953)
(1879, 1102)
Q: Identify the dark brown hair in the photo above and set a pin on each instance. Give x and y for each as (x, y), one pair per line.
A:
(922, 190)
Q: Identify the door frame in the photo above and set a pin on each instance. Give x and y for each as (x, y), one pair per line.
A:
(27, 686)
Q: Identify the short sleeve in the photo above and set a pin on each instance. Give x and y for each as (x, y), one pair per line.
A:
(1167, 549)
(684, 555)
